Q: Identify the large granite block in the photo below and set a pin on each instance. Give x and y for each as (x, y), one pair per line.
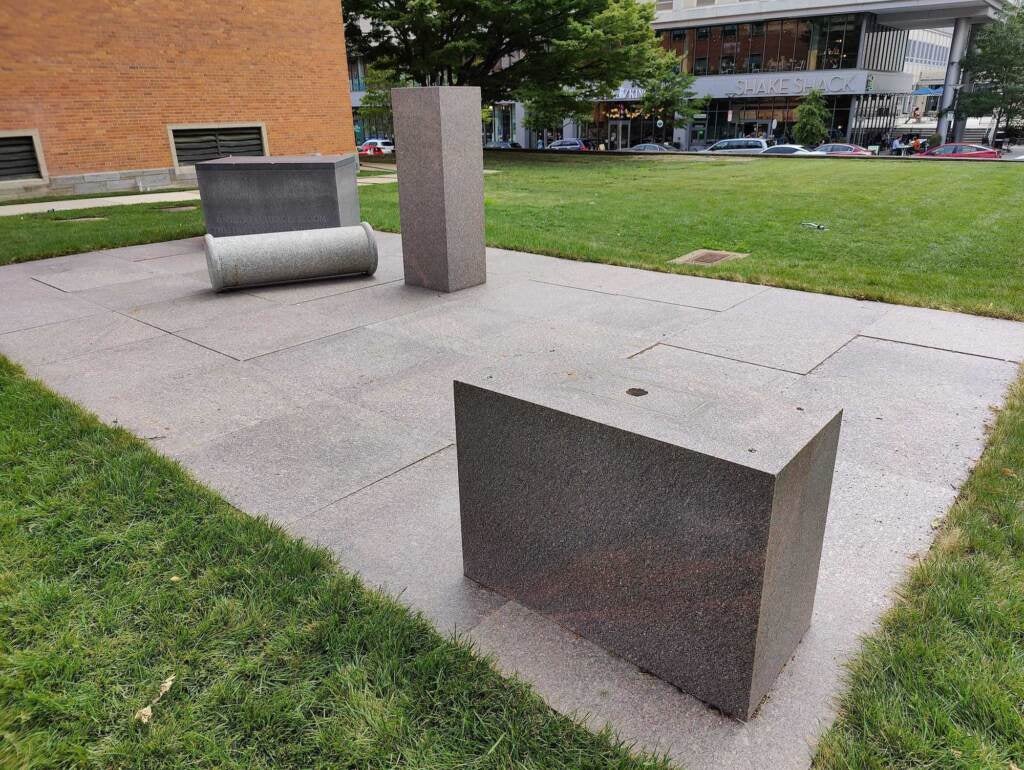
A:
(440, 186)
(267, 194)
(684, 539)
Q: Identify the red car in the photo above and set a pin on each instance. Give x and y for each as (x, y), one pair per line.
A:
(962, 151)
(843, 150)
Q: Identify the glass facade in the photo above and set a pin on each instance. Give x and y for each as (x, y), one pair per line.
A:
(621, 125)
(780, 45)
(770, 118)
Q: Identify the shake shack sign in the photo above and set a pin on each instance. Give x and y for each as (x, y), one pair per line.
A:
(836, 83)
(793, 85)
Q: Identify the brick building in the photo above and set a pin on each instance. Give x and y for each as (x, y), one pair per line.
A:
(100, 95)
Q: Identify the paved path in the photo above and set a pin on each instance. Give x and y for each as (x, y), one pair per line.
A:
(17, 209)
(327, 407)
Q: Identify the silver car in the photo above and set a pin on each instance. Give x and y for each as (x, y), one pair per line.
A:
(739, 146)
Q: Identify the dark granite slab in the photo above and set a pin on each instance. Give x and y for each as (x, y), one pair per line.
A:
(685, 539)
(247, 194)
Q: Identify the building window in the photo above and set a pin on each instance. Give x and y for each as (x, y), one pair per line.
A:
(728, 65)
(194, 144)
(21, 157)
(700, 66)
(703, 32)
(757, 29)
(678, 34)
(729, 30)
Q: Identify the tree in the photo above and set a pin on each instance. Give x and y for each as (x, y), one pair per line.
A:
(996, 68)
(668, 91)
(559, 55)
(376, 104)
(812, 118)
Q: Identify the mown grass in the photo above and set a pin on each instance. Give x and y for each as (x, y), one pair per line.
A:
(934, 234)
(941, 684)
(36, 236)
(117, 572)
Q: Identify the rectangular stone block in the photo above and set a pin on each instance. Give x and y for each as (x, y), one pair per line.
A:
(248, 194)
(684, 539)
(440, 186)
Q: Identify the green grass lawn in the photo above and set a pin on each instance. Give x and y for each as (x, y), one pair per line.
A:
(37, 236)
(941, 685)
(118, 572)
(943, 235)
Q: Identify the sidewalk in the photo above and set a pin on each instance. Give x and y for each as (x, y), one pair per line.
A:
(17, 209)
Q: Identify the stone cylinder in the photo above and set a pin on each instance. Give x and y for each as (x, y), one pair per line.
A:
(241, 261)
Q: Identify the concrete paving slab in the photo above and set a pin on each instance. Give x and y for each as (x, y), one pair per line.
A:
(357, 358)
(57, 342)
(646, 319)
(962, 333)
(28, 303)
(788, 330)
(291, 466)
(182, 410)
(93, 378)
(407, 525)
(252, 332)
(694, 291)
(914, 410)
(374, 406)
(148, 251)
(197, 308)
(191, 264)
(79, 277)
(378, 303)
(146, 291)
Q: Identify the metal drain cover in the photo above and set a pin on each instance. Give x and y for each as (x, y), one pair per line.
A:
(707, 257)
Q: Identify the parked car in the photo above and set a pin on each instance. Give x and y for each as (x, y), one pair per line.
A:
(844, 150)
(977, 151)
(648, 147)
(570, 145)
(739, 146)
(376, 147)
(498, 146)
(787, 149)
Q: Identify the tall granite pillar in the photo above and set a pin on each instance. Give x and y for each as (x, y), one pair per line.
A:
(440, 186)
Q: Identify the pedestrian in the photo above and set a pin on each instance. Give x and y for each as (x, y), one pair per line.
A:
(897, 146)
(916, 144)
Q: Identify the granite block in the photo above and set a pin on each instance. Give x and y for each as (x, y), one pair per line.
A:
(266, 259)
(441, 186)
(686, 542)
(246, 194)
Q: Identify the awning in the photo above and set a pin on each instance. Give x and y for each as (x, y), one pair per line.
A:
(927, 91)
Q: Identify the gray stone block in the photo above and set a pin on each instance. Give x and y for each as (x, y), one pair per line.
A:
(441, 186)
(245, 195)
(269, 258)
(687, 541)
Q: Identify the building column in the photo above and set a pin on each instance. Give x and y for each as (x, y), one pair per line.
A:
(957, 51)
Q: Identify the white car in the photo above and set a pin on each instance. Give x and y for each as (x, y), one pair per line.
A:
(739, 146)
(371, 147)
(787, 149)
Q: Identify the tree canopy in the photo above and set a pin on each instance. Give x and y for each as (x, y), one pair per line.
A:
(811, 126)
(996, 67)
(556, 55)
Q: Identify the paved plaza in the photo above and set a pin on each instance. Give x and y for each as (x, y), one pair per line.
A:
(327, 408)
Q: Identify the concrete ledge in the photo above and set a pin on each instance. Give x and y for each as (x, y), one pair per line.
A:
(684, 539)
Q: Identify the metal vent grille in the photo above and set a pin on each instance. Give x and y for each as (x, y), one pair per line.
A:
(194, 145)
(18, 158)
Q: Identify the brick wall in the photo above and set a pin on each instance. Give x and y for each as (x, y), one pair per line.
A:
(102, 79)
